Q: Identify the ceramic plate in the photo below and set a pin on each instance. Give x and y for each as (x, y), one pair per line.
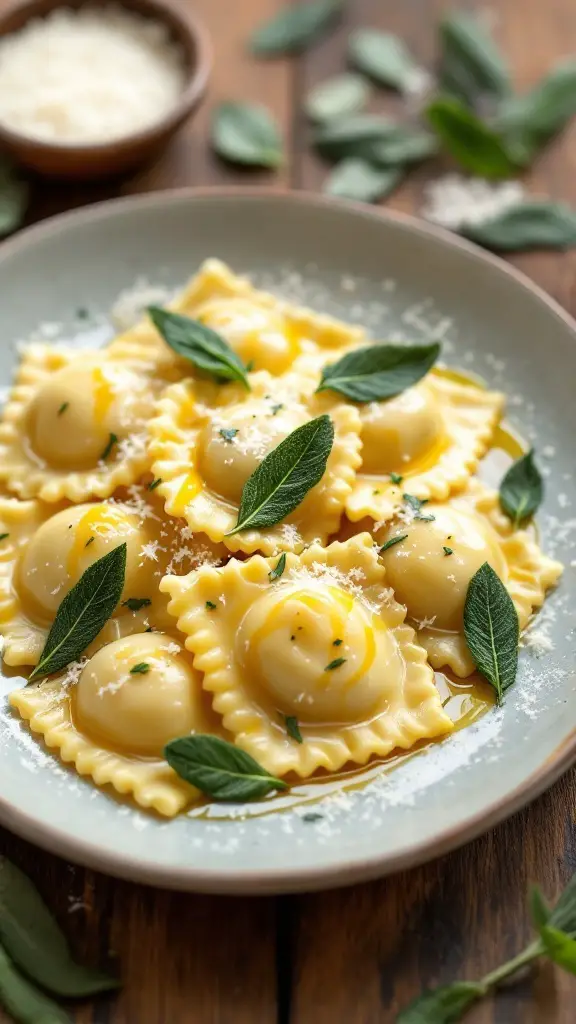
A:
(397, 276)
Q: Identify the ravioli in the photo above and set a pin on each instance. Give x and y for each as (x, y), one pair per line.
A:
(207, 441)
(74, 426)
(112, 715)
(46, 552)
(325, 645)
(431, 568)
(266, 332)
(429, 439)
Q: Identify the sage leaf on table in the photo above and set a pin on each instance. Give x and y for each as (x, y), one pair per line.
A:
(246, 133)
(537, 224)
(23, 1001)
(14, 195)
(563, 915)
(471, 67)
(295, 28)
(285, 476)
(198, 343)
(375, 372)
(83, 612)
(220, 769)
(559, 947)
(375, 139)
(444, 1005)
(358, 179)
(527, 122)
(337, 97)
(473, 144)
(539, 909)
(383, 57)
(33, 940)
(491, 629)
(521, 489)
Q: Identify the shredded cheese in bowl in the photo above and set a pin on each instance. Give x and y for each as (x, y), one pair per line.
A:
(88, 75)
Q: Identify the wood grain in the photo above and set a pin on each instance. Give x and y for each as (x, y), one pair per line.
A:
(354, 956)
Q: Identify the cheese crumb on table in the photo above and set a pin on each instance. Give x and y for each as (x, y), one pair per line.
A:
(454, 201)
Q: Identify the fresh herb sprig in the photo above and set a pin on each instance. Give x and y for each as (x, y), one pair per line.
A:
(200, 345)
(220, 769)
(246, 133)
(376, 372)
(522, 489)
(491, 629)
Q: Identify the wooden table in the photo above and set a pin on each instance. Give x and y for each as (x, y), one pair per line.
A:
(357, 955)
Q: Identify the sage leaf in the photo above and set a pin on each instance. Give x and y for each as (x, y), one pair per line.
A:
(538, 224)
(246, 133)
(292, 728)
(336, 97)
(295, 28)
(23, 1001)
(278, 569)
(362, 181)
(33, 940)
(392, 541)
(560, 947)
(444, 1005)
(383, 57)
(220, 769)
(471, 67)
(286, 475)
(539, 909)
(375, 139)
(563, 915)
(473, 144)
(199, 344)
(528, 122)
(522, 489)
(375, 372)
(14, 195)
(83, 612)
(491, 629)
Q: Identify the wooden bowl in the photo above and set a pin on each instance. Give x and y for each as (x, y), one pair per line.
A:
(103, 159)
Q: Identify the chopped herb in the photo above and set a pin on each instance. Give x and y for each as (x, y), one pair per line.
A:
(155, 483)
(89, 542)
(292, 728)
(375, 492)
(112, 440)
(447, 551)
(4, 535)
(396, 478)
(416, 506)
(210, 606)
(249, 366)
(63, 408)
(136, 603)
(335, 664)
(336, 643)
(228, 433)
(292, 637)
(140, 669)
(278, 569)
(392, 541)
(276, 408)
(312, 816)
(148, 629)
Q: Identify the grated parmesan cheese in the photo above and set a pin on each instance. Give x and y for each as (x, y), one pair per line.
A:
(88, 75)
(454, 201)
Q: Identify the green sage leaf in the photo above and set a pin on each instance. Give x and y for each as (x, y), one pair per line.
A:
(337, 97)
(375, 372)
(199, 344)
(560, 947)
(292, 728)
(375, 139)
(357, 179)
(491, 629)
(563, 915)
(383, 57)
(220, 769)
(538, 224)
(286, 475)
(34, 941)
(473, 144)
(539, 909)
(528, 122)
(295, 28)
(392, 541)
(522, 489)
(445, 1005)
(14, 195)
(278, 569)
(246, 133)
(471, 67)
(23, 1001)
(83, 612)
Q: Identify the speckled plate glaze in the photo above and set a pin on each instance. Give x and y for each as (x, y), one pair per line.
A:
(397, 275)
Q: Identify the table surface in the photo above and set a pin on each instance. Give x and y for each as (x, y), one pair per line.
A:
(355, 955)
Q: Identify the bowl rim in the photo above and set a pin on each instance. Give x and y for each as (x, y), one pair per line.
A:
(190, 26)
(353, 870)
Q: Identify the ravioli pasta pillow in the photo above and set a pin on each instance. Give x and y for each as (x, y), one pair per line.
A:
(326, 645)
(208, 439)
